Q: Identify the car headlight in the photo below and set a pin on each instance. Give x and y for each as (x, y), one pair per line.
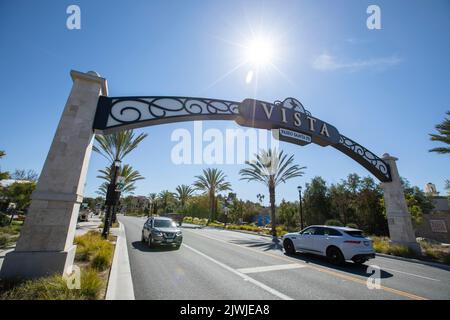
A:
(179, 233)
(158, 233)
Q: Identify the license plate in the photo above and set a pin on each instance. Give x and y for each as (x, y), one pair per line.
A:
(169, 240)
(366, 243)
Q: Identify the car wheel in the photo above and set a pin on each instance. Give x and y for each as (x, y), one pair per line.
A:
(150, 242)
(288, 246)
(359, 261)
(335, 256)
(142, 237)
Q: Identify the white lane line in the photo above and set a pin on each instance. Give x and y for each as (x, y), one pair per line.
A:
(240, 274)
(272, 268)
(410, 274)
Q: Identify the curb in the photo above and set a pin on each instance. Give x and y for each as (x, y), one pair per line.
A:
(429, 263)
(120, 284)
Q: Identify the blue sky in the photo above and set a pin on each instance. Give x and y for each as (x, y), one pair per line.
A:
(385, 88)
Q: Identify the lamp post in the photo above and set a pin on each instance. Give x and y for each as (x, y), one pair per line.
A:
(299, 188)
(111, 197)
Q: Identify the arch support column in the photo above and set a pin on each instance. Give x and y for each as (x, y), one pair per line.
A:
(399, 219)
(46, 245)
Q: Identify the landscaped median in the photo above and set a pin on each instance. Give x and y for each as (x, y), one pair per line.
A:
(430, 252)
(93, 256)
(252, 227)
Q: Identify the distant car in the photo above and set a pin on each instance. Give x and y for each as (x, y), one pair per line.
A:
(161, 231)
(338, 244)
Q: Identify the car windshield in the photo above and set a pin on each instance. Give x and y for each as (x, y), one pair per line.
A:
(160, 223)
(355, 233)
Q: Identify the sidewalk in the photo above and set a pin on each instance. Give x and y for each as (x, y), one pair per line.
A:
(120, 283)
(85, 226)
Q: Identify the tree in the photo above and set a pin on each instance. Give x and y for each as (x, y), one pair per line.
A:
(114, 147)
(165, 198)
(260, 197)
(127, 172)
(271, 168)
(444, 136)
(288, 213)
(20, 194)
(317, 203)
(198, 206)
(153, 200)
(340, 201)
(184, 192)
(29, 175)
(3, 175)
(212, 182)
(117, 145)
(417, 201)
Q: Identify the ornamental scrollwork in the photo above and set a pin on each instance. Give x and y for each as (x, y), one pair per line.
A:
(369, 157)
(136, 109)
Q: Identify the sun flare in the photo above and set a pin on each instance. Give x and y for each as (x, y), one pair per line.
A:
(259, 52)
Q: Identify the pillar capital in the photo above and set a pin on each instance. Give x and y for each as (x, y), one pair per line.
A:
(388, 157)
(91, 76)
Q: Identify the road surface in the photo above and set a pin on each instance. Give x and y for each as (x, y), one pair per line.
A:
(221, 264)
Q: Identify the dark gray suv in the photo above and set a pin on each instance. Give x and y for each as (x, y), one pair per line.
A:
(161, 231)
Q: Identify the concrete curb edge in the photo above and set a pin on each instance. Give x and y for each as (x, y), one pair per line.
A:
(120, 284)
(429, 263)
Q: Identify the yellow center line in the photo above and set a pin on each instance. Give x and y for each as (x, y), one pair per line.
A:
(320, 269)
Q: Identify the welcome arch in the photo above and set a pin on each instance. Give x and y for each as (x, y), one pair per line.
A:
(46, 245)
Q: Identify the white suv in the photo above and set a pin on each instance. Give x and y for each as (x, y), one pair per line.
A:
(336, 243)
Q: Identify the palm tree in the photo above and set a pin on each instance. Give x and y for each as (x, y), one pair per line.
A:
(212, 181)
(184, 192)
(117, 145)
(165, 197)
(443, 136)
(3, 175)
(271, 168)
(153, 199)
(127, 172)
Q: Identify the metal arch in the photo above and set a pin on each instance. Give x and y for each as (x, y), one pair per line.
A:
(120, 113)
(364, 157)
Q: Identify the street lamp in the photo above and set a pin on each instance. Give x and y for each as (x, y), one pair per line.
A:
(299, 188)
(111, 197)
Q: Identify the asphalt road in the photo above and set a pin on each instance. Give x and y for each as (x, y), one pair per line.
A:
(220, 264)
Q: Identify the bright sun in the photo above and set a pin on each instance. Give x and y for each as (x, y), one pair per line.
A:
(259, 52)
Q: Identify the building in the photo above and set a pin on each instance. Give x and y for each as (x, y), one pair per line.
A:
(436, 224)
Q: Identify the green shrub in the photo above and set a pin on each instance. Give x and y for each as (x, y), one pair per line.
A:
(92, 247)
(4, 240)
(102, 259)
(187, 219)
(446, 258)
(352, 225)
(334, 222)
(400, 250)
(4, 220)
(54, 288)
(48, 288)
(91, 284)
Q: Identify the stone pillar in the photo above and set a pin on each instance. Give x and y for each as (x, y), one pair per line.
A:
(46, 245)
(399, 219)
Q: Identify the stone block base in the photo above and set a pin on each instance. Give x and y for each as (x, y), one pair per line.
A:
(35, 264)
